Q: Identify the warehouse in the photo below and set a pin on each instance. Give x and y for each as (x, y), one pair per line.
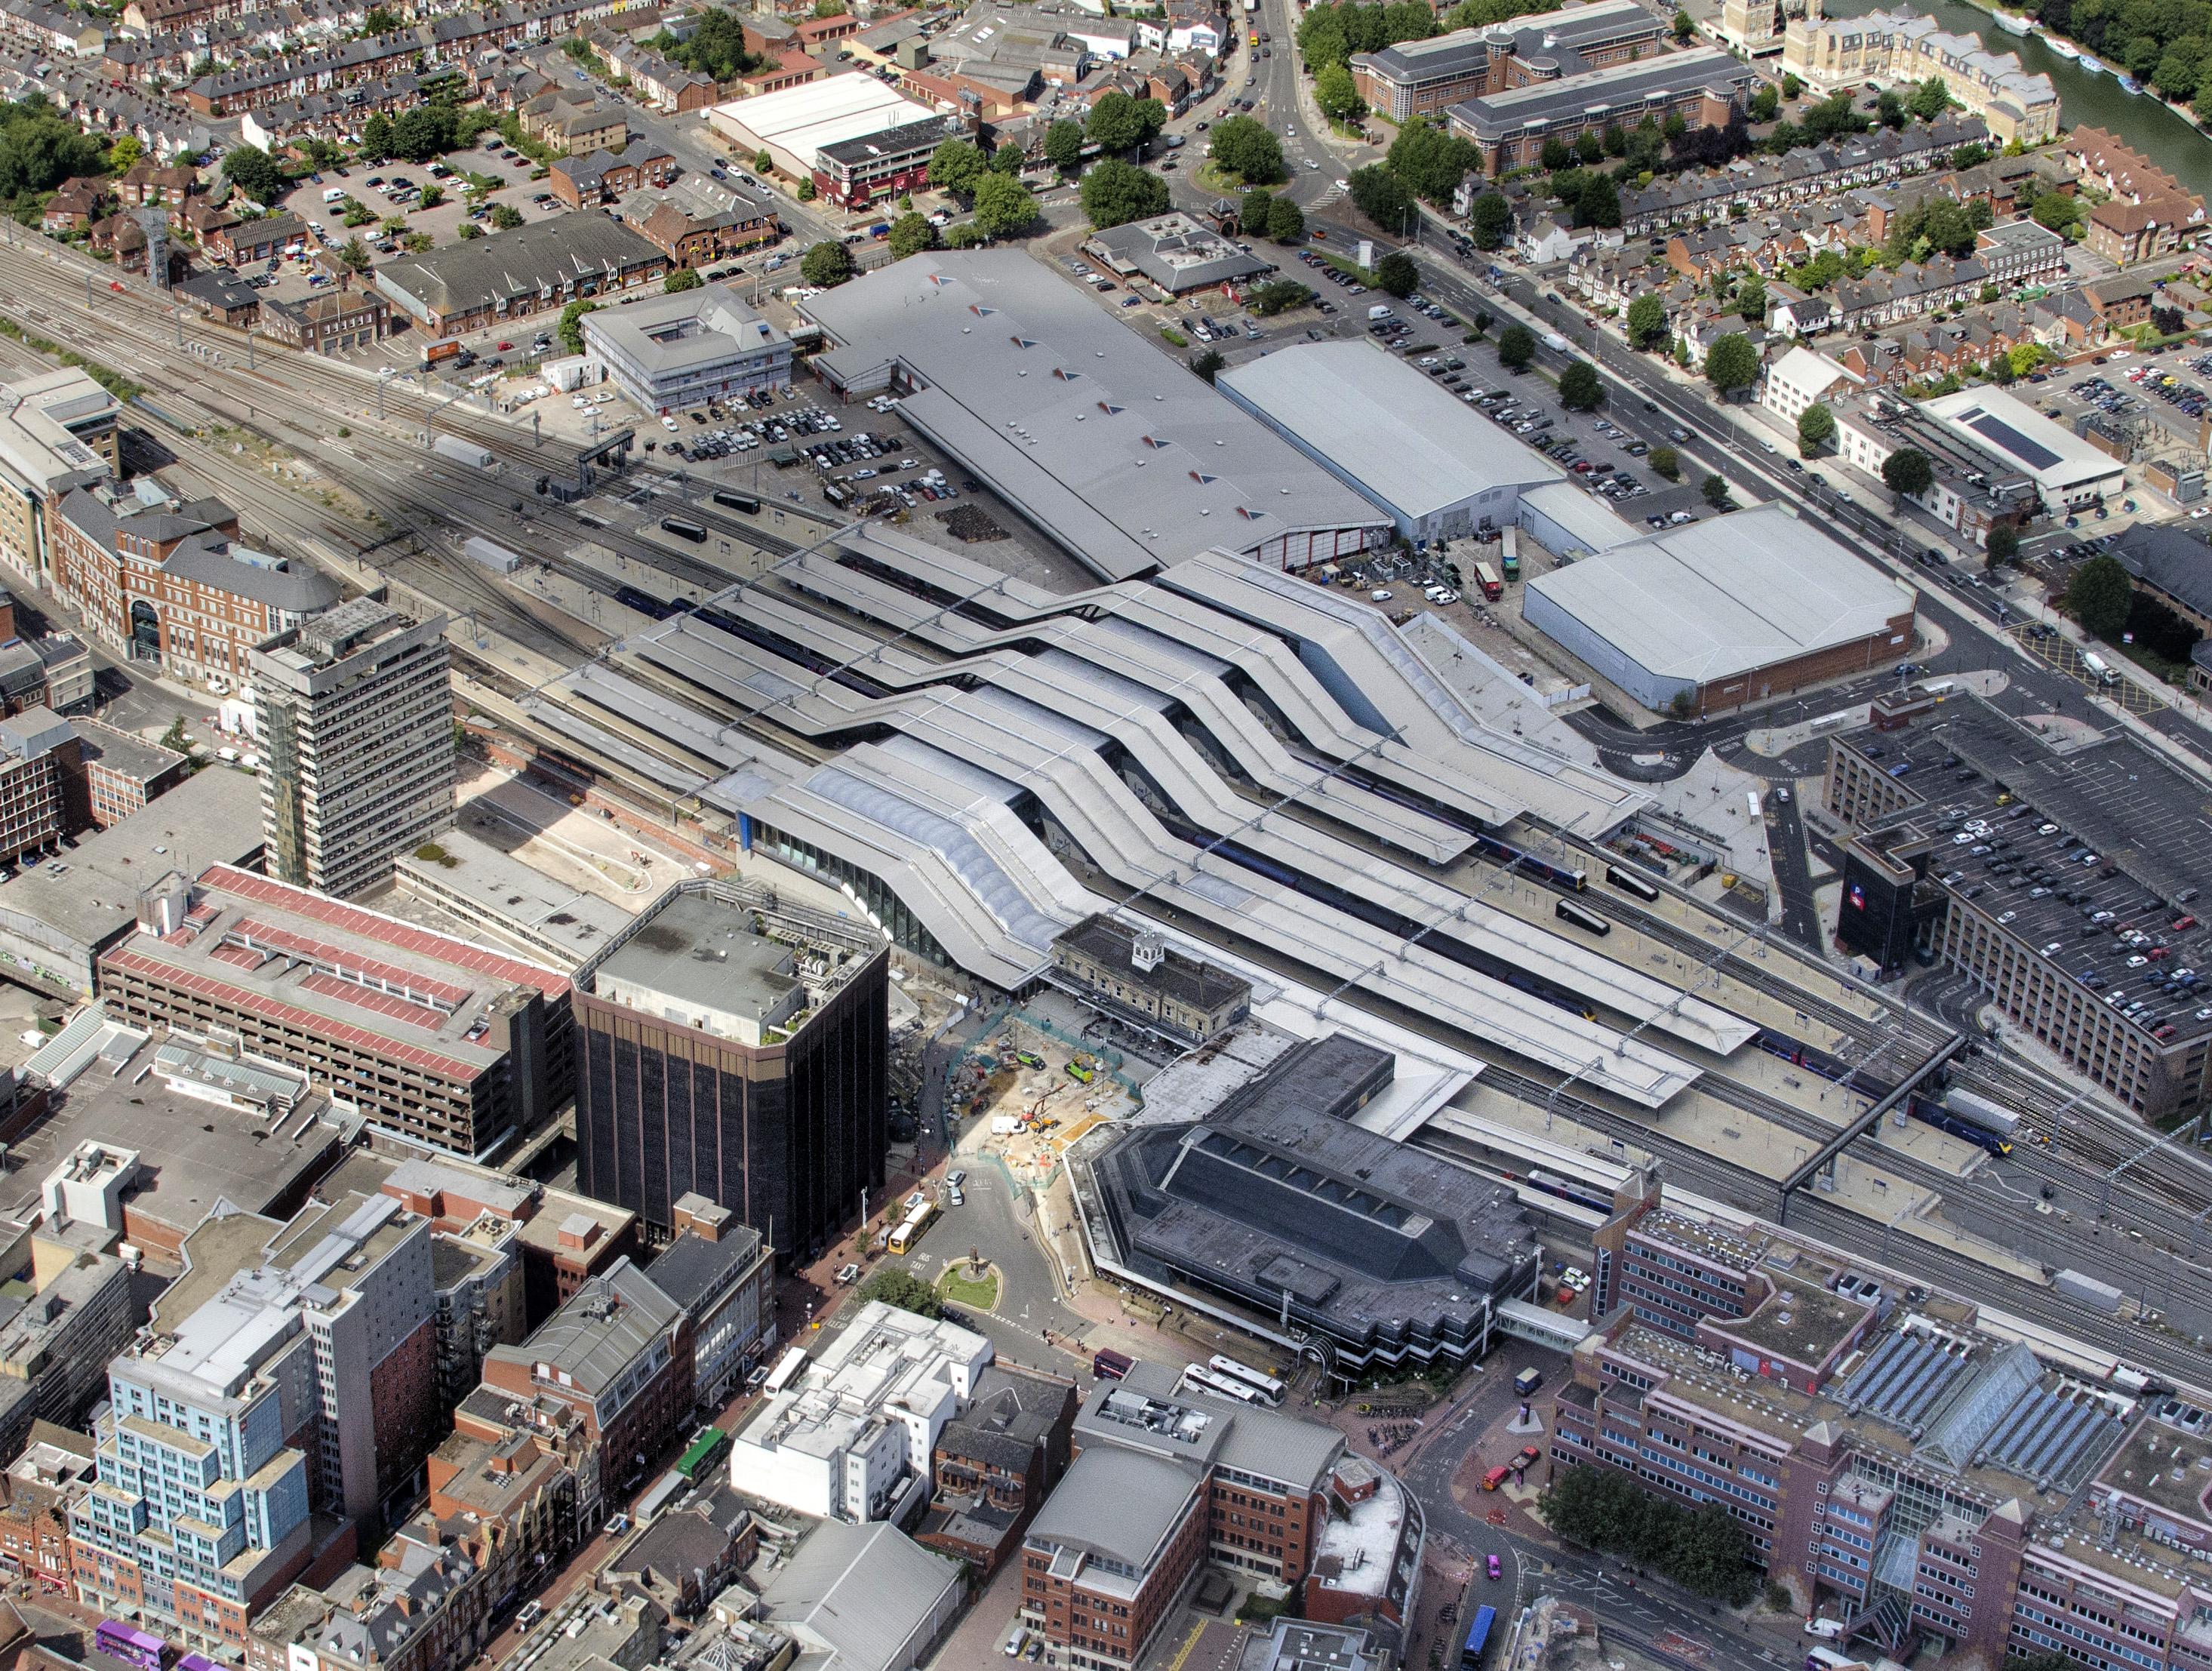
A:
(1430, 461)
(1107, 446)
(794, 126)
(2070, 474)
(1720, 613)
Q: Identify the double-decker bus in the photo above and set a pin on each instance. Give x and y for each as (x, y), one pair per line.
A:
(1108, 1365)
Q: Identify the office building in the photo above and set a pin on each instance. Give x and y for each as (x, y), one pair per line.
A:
(737, 1051)
(421, 1607)
(1706, 86)
(853, 1435)
(57, 434)
(442, 1045)
(2069, 474)
(1722, 613)
(719, 1271)
(71, 1313)
(1106, 446)
(1828, 53)
(617, 1360)
(41, 765)
(671, 353)
(1972, 488)
(284, 1388)
(122, 772)
(173, 584)
(1254, 1186)
(1165, 1480)
(1174, 253)
(1425, 77)
(2034, 872)
(520, 1492)
(1906, 1468)
(355, 716)
(1802, 378)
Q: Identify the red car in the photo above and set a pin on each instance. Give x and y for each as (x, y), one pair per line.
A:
(505, 347)
(116, 285)
(1496, 1568)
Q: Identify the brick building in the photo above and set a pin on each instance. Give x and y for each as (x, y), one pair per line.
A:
(335, 321)
(1426, 77)
(996, 1463)
(54, 1472)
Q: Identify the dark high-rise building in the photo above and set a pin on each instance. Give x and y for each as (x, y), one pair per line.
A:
(738, 1048)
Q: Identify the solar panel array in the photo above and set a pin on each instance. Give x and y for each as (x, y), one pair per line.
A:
(1906, 1377)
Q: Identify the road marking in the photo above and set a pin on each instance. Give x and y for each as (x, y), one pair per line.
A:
(1190, 1642)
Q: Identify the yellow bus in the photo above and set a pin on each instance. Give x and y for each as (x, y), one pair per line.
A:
(909, 1232)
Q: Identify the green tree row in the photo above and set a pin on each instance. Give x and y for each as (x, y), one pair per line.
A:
(1704, 1549)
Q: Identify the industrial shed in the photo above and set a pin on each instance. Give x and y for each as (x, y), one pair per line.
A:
(1723, 612)
(1439, 468)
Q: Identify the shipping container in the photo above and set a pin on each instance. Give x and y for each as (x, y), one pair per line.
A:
(2079, 1285)
(461, 452)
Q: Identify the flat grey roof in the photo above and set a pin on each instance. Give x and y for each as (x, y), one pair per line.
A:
(865, 1590)
(1622, 90)
(1412, 446)
(1726, 595)
(90, 895)
(669, 334)
(1097, 437)
(702, 949)
(1115, 1503)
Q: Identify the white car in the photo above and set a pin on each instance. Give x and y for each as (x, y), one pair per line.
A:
(1313, 165)
(668, 423)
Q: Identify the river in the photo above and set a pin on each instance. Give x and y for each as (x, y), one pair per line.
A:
(2085, 98)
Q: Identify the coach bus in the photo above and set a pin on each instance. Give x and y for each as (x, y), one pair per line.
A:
(1266, 1385)
(1478, 1639)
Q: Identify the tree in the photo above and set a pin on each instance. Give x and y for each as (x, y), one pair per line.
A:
(1751, 301)
(1489, 219)
(2055, 211)
(826, 264)
(1209, 364)
(715, 47)
(2001, 545)
(1277, 295)
(1063, 145)
(683, 278)
(1430, 162)
(1254, 209)
(1286, 222)
(1555, 154)
(1245, 149)
(911, 234)
(249, 168)
(1791, 87)
(423, 132)
(1683, 27)
(1581, 390)
(175, 740)
(470, 229)
(1115, 192)
(955, 166)
(1004, 205)
(505, 216)
(1337, 95)
(1765, 105)
(1715, 489)
(1708, 1552)
(570, 330)
(2099, 596)
(1731, 363)
(1516, 348)
(353, 255)
(1664, 462)
(380, 20)
(125, 154)
(804, 190)
(762, 163)
(1930, 99)
(417, 243)
(1007, 160)
(1816, 427)
(376, 137)
(1647, 322)
(1889, 111)
(1396, 273)
(1908, 473)
(1116, 125)
(901, 1288)
(432, 195)
(1381, 196)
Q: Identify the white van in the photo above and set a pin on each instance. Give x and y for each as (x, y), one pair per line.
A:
(334, 194)
(1017, 1642)
(1379, 311)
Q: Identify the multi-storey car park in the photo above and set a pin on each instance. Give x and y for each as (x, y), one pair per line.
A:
(2063, 880)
